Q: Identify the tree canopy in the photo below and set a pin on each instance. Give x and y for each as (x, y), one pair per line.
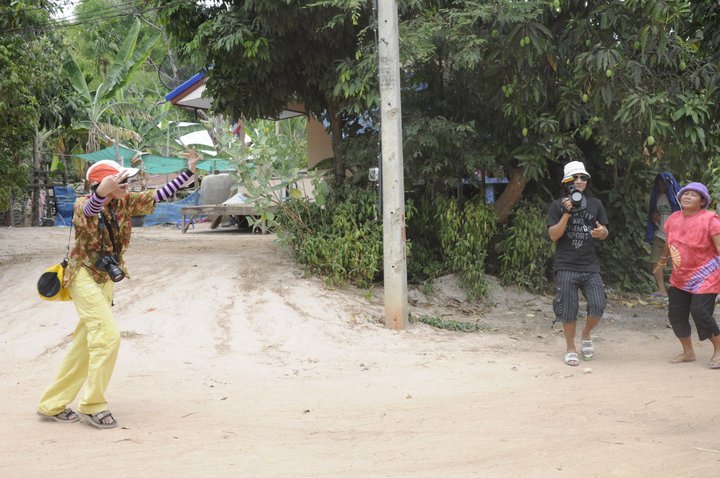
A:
(515, 88)
(32, 95)
(262, 54)
(624, 85)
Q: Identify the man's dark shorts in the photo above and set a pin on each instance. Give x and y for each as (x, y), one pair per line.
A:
(566, 304)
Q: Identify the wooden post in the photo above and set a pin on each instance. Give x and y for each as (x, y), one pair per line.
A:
(118, 159)
(393, 188)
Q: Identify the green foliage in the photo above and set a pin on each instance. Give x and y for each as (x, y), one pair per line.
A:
(32, 95)
(103, 105)
(266, 54)
(101, 30)
(18, 117)
(292, 46)
(711, 178)
(542, 85)
(425, 260)
(628, 87)
(342, 241)
(13, 178)
(117, 58)
(465, 235)
(271, 168)
(440, 150)
(360, 153)
(526, 248)
(624, 255)
(448, 324)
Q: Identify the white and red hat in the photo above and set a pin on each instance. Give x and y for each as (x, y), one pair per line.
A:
(104, 168)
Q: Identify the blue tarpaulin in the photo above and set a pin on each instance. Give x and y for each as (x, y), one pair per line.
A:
(169, 213)
(165, 213)
(64, 200)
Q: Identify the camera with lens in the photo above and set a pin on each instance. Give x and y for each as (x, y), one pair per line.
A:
(109, 263)
(577, 198)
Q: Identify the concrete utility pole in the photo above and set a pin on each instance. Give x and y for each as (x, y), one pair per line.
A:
(393, 188)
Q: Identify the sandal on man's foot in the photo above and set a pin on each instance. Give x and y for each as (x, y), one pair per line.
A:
(99, 420)
(572, 359)
(66, 416)
(715, 363)
(586, 349)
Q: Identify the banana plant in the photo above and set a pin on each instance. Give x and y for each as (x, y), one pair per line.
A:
(101, 104)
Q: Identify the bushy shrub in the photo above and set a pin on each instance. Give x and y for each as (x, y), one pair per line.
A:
(425, 259)
(465, 235)
(624, 255)
(342, 241)
(526, 250)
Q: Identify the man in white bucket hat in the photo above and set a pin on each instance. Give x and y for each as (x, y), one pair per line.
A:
(572, 168)
(575, 221)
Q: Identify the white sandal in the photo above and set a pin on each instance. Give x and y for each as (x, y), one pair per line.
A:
(572, 359)
(586, 349)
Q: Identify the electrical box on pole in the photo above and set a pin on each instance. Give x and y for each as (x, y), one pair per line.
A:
(392, 177)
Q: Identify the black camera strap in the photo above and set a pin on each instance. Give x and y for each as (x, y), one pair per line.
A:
(67, 253)
(117, 248)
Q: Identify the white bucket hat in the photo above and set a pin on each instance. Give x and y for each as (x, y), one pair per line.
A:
(572, 168)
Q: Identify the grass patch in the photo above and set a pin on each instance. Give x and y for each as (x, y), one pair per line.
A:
(449, 324)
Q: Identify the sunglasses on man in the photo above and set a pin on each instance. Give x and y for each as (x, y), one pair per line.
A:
(581, 177)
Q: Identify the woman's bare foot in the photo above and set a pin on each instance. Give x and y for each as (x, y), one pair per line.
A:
(682, 358)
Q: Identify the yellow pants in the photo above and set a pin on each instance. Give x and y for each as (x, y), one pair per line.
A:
(93, 352)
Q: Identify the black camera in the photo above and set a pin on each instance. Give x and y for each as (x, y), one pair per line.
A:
(110, 264)
(577, 198)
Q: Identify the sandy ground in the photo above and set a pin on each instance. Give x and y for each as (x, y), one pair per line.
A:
(234, 363)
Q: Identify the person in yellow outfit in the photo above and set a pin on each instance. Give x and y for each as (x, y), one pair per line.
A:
(103, 228)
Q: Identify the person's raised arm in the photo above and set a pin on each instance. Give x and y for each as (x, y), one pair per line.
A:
(170, 188)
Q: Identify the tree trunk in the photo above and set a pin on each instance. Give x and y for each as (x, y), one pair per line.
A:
(336, 138)
(511, 195)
